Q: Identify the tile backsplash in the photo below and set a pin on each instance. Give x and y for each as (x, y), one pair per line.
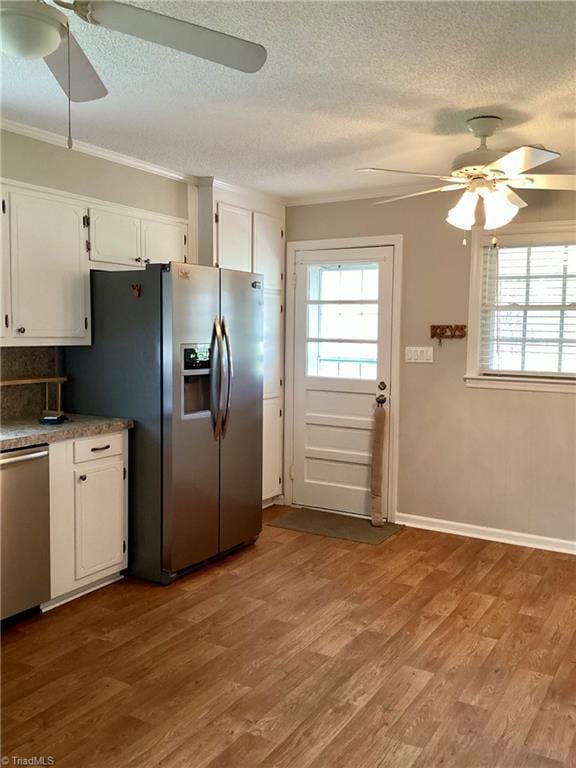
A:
(26, 400)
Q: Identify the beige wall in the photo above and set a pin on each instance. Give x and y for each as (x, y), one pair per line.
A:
(492, 458)
(36, 162)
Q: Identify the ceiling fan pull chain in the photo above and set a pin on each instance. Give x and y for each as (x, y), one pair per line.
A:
(69, 139)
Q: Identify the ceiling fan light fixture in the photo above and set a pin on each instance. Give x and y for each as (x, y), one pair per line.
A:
(498, 210)
(463, 215)
(30, 30)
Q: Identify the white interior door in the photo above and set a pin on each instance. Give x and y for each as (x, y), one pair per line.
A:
(342, 351)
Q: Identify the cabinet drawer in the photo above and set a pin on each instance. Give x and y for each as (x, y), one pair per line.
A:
(97, 447)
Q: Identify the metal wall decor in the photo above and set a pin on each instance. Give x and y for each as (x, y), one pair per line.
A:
(442, 332)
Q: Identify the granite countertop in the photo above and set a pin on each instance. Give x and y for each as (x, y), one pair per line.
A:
(20, 433)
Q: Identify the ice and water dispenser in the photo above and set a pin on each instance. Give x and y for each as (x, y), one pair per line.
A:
(196, 379)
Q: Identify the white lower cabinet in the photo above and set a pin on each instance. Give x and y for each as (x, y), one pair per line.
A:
(99, 518)
(272, 448)
(88, 512)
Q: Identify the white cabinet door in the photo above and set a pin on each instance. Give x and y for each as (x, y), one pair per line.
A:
(49, 268)
(163, 242)
(273, 356)
(99, 518)
(114, 238)
(5, 308)
(234, 237)
(268, 256)
(272, 448)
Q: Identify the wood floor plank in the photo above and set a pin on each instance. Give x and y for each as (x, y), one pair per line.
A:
(426, 651)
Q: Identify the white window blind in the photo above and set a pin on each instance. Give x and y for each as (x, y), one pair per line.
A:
(528, 316)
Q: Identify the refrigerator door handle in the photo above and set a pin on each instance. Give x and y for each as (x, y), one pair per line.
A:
(216, 353)
(229, 374)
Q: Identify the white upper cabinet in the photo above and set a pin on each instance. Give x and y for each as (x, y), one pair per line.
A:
(5, 301)
(234, 237)
(115, 238)
(49, 271)
(268, 249)
(163, 242)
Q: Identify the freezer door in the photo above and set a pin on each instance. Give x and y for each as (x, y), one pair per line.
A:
(241, 441)
(191, 409)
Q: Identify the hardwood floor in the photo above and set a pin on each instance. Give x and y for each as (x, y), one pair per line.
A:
(426, 651)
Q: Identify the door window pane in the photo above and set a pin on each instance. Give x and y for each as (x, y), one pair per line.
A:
(343, 282)
(343, 321)
(339, 359)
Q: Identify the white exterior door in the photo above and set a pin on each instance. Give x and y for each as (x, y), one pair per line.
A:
(342, 351)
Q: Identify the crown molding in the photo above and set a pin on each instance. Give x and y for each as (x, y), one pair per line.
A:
(91, 149)
(256, 193)
(366, 193)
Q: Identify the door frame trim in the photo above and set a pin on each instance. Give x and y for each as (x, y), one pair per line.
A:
(292, 249)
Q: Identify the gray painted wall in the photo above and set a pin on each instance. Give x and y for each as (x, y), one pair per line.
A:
(36, 162)
(492, 458)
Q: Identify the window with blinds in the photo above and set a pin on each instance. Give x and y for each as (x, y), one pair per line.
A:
(528, 316)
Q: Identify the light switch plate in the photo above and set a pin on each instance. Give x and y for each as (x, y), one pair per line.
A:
(419, 354)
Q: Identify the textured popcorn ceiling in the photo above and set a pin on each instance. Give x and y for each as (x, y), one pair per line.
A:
(345, 85)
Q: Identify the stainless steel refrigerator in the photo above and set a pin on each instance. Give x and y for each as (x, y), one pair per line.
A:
(178, 348)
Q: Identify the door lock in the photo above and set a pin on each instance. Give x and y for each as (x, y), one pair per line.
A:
(381, 386)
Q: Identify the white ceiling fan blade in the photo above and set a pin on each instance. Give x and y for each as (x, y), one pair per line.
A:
(174, 33)
(544, 181)
(392, 170)
(450, 188)
(520, 160)
(85, 85)
(512, 197)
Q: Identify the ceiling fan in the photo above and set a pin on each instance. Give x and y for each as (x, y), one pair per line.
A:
(36, 30)
(486, 173)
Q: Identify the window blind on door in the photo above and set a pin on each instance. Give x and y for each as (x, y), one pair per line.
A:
(528, 310)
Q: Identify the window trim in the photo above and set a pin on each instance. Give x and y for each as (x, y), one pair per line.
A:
(535, 233)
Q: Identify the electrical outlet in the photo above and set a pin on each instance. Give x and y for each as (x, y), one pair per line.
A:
(419, 354)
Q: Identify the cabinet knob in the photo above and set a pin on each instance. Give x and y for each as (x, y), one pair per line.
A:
(21, 329)
(82, 478)
(138, 259)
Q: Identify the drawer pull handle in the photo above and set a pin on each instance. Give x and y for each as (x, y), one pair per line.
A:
(101, 448)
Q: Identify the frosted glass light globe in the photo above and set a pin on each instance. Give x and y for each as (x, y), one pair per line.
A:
(29, 32)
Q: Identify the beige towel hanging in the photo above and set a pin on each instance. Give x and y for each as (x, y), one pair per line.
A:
(377, 466)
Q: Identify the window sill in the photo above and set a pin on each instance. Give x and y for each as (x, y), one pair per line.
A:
(522, 383)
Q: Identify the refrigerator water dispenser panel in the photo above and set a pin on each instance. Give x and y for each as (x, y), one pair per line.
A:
(195, 379)
(196, 358)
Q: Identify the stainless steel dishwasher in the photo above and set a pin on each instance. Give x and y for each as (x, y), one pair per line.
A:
(24, 492)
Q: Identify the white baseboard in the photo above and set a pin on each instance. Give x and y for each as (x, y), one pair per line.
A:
(272, 502)
(490, 534)
(66, 598)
